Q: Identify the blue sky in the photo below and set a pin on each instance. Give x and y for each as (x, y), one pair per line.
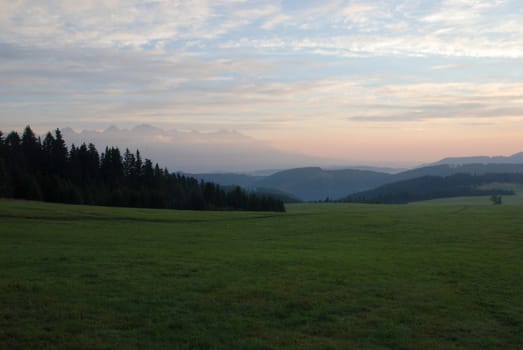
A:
(368, 81)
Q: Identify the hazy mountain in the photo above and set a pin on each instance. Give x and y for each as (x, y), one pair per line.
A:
(514, 159)
(193, 151)
(447, 169)
(309, 184)
(313, 183)
(202, 154)
(316, 184)
(379, 169)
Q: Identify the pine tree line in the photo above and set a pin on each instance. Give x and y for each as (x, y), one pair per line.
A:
(47, 170)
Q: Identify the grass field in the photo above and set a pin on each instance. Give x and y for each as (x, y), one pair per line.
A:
(472, 200)
(321, 276)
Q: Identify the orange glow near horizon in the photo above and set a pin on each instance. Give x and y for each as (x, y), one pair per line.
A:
(397, 144)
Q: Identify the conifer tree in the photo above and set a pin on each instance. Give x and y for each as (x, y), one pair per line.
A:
(49, 171)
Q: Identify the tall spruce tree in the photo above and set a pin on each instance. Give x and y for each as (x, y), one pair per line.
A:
(48, 170)
(32, 149)
(59, 154)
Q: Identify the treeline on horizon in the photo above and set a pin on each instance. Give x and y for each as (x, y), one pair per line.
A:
(49, 171)
(433, 187)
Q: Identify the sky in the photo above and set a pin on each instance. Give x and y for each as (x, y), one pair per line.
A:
(376, 82)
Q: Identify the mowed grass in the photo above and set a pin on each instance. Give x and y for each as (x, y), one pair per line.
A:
(472, 200)
(321, 276)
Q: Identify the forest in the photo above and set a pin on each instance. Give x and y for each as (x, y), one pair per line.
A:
(47, 170)
(432, 187)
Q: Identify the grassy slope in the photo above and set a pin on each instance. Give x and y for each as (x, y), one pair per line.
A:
(319, 276)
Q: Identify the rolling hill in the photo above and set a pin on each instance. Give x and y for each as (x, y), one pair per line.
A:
(314, 183)
(308, 184)
(450, 169)
(433, 187)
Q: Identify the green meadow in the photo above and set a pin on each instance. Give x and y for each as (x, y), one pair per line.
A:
(320, 276)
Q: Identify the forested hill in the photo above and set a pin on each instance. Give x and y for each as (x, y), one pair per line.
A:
(50, 171)
(309, 183)
(431, 187)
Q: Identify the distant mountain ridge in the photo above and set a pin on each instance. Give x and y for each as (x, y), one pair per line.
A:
(195, 151)
(513, 159)
(198, 154)
(308, 184)
(451, 169)
(314, 183)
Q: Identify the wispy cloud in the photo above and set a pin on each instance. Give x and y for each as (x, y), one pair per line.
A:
(275, 21)
(448, 66)
(262, 65)
(450, 27)
(119, 23)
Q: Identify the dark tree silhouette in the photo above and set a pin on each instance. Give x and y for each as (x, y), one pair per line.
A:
(49, 171)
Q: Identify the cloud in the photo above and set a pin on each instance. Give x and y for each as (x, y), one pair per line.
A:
(462, 12)
(368, 46)
(454, 28)
(446, 101)
(275, 21)
(259, 65)
(448, 66)
(360, 13)
(126, 86)
(120, 23)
